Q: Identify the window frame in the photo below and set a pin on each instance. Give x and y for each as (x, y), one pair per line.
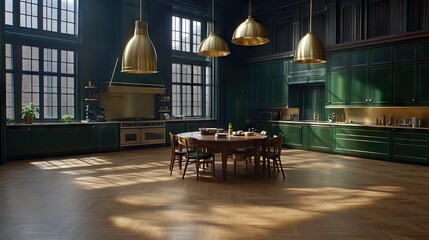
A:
(191, 58)
(43, 39)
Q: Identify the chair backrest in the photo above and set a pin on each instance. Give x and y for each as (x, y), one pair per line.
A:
(193, 143)
(173, 140)
(275, 144)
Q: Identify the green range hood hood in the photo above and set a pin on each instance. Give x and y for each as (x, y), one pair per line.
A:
(135, 83)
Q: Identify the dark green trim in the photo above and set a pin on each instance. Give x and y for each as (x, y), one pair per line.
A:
(2, 90)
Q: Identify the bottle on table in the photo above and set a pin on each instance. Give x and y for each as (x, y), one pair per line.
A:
(230, 128)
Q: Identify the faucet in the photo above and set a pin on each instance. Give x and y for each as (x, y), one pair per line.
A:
(333, 117)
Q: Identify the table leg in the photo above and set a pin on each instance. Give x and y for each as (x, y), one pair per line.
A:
(257, 157)
(224, 161)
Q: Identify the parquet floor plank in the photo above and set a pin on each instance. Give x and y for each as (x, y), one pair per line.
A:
(130, 195)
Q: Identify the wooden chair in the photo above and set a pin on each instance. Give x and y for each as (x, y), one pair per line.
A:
(177, 153)
(272, 152)
(241, 155)
(194, 154)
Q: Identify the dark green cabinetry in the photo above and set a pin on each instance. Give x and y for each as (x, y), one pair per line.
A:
(108, 137)
(404, 84)
(270, 84)
(410, 145)
(51, 140)
(292, 134)
(320, 137)
(336, 89)
(361, 141)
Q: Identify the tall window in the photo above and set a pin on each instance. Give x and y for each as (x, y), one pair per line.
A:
(10, 102)
(35, 73)
(192, 85)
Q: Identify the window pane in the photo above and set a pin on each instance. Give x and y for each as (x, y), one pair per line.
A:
(30, 90)
(9, 57)
(67, 95)
(10, 95)
(50, 63)
(28, 10)
(196, 35)
(50, 15)
(69, 17)
(50, 89)
(8, 12)
(67, 62)
(30, 58)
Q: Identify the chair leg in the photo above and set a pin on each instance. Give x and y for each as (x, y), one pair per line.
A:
(172, 163)
(269, 170)
(186, 166)
(281, 167)
(197, 165)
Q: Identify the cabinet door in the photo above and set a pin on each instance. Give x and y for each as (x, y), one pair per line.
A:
(320, 137)
(279, 91)
(42, 139)
(62, 138)
(108, 137)
(379, 89)
(366, 142)
(404, 84)
(19, 141)
(359, 87)
(337, 88)
(85, 137)
(259, 75)
(410, 145)
(292, 134)
(424, 84)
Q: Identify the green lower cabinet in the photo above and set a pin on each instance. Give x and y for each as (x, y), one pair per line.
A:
(85, 138)
(42, 139)
(63, 138)
(292, 134)
(320, 137)
(52, 140)
(19, 141)
(108, 137)
(360, 141)
(410, 145)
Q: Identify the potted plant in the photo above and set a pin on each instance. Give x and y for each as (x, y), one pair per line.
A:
(29, 113)
(66, 118)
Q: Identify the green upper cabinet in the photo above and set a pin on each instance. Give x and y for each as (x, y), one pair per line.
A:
(380, 85)
(381, 56)
(424, 83)
(279, 84)
(258, 75)
(359, 86)
(336, 89)
(269, 84)
(404, 84)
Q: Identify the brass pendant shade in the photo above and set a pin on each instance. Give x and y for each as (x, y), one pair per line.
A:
(310, 49)
(250, 32)
(139, 56)
(213, 46)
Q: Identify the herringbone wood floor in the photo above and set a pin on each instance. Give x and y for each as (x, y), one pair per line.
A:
(130, 195)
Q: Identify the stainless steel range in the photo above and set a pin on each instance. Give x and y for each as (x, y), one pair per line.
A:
(141, 132)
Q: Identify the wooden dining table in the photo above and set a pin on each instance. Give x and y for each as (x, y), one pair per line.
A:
(224, 145)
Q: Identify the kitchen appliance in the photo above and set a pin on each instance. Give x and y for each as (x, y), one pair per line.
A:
(136, 132)
(269, 115)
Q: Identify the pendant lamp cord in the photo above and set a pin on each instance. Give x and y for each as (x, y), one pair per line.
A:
(311, 11)
(212, 25)
(141, 3)
(250, 9)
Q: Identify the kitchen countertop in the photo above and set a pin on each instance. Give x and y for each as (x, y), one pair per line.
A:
(343, 124)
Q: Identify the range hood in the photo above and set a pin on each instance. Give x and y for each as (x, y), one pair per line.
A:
(135, 83)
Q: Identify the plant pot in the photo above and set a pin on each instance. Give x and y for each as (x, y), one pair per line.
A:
(28, 120)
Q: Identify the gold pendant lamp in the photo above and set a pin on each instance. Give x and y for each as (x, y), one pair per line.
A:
(213, 45)
(310, 48)
(139, 55)
(250, 32)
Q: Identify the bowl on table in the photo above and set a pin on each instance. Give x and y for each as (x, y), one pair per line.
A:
(208, 131)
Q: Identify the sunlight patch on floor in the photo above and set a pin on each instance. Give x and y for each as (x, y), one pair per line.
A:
(71, 163)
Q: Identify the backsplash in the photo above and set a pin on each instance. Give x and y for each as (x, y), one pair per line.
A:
(370, 115)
